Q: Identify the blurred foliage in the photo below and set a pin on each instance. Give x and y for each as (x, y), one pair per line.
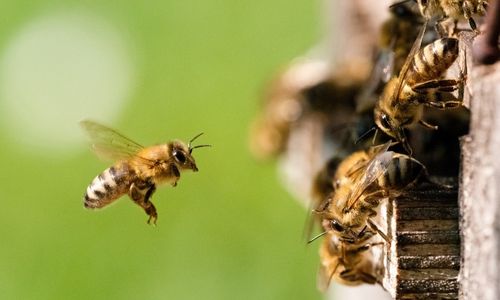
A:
(229, 231)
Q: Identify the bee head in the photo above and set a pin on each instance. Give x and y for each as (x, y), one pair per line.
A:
(390, 127)
(181, 154)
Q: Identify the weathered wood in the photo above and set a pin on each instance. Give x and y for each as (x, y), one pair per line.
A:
(423, 258)
(480, 193)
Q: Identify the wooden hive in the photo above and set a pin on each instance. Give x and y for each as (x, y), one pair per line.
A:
(423, 258)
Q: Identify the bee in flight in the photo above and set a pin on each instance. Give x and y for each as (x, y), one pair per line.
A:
(419, 83)
(137, 171)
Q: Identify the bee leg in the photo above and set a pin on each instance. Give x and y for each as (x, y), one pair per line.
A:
(441, 97)
(440, 85)
(355, 275)
(176, 174)
(373, 226)
(444, 104)
(427, 125)
(439, 27)
(149, 208)
(424, 177)
(468, 8)
(473, 25)
(140, 194)
(367, 278)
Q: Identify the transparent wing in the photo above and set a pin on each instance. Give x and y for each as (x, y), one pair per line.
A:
(375, 168)
(380, 75)
(356, 170)
(409, 59)
(385, 64)
(108, 144)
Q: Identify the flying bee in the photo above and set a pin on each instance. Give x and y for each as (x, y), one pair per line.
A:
(419, 83)
(348, 264)
(138, 170)
(455, 10)
(375, 174)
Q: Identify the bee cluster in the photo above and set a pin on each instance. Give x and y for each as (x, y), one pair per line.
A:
(354, 139)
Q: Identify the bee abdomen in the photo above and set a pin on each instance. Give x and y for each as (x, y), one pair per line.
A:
(107, 187)
(433, 60)
(401, 172)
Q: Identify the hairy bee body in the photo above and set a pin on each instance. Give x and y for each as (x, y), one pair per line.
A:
(454, 9)
(108, 186)
(419, 83)
(138, 170)
(347, 264)
(357, 197)
(402, 172)
(430, 63)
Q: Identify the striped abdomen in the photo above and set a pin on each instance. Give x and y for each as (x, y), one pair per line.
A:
(432, 61)
(108, 186)
(402, 171)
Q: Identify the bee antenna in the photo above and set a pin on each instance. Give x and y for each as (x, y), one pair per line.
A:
(197, 146)
(192, 140)
(190, 147)
(375, 136)
(404, 141)
(365, 134)
(316, 237)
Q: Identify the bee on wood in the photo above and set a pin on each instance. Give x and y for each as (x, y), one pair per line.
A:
(348, 264)
(455, 10)
(138, 170)
(363, 180)
(397, 36)
(419, 84)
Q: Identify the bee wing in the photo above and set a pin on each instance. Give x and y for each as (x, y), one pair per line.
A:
(409, 59)
(381, 73)
(375, 168)
(108, 144)
(325, 275)
(386, 64)
(356, 170)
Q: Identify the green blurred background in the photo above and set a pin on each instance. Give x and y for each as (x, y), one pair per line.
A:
(181, 67)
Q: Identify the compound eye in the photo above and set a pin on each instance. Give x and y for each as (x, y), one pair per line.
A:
(385, 121)
(179, 156)
(336, 226)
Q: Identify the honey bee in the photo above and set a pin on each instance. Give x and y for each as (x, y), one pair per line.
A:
(363, 180)
(138, 170)
(397, 35)
(348, 264)
(453, 9)
(323, 184)
(419, 83)
(285, 103)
